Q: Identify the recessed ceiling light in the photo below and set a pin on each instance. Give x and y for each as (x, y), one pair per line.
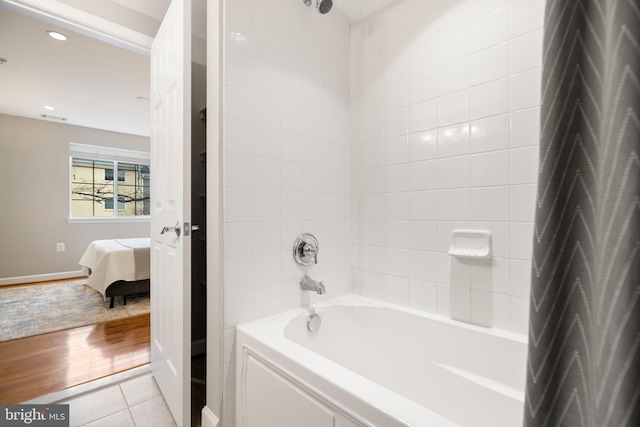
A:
(49, 107)
(56, 35)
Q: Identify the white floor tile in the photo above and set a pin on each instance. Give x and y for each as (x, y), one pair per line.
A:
(140, 389)
(152, 413)
(120, 419)
(94, 406)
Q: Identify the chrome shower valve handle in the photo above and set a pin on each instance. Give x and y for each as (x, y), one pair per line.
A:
(305, 250)
(310, 252)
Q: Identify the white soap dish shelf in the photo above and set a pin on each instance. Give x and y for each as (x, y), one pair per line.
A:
(470, 244)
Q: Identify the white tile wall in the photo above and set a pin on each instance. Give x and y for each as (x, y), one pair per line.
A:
(287, 156)
(381, 136)
(445, 100)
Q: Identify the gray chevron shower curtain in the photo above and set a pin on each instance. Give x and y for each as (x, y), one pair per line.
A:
(584, 335)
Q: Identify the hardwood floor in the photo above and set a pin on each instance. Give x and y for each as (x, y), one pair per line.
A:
(34, 366)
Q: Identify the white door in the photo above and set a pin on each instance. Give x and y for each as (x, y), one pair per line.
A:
(171, 206)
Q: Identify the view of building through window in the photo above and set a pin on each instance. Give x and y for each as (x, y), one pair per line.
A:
(94, 189)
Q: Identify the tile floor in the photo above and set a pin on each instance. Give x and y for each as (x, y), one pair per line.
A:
(135, 402)
(128, 399)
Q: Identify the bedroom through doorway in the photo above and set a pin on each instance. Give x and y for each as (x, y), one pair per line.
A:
(42, 364)
(42, 141)
(76, 98)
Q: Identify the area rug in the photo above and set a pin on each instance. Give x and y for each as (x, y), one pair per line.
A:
(37, 309)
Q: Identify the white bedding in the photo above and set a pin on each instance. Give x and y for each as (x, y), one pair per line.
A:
(107, 261)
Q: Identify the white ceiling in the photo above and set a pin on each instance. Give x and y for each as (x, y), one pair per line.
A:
(351, 7)
(90, 83)
(157, 8)
(153, 8)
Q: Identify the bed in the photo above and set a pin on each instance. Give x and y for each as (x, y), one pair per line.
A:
(118, 267)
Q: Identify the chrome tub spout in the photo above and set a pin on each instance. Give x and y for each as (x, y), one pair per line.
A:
(308, 284)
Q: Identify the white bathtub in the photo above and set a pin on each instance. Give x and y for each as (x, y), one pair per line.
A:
(376, 364)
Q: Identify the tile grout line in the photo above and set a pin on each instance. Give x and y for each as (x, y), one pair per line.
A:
(128, 405)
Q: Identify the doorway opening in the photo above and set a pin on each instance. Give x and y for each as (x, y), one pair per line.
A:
(198, 241)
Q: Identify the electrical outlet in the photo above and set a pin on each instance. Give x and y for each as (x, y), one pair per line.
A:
(60, 247)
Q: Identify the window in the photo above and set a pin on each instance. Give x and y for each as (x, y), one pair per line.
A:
(93, 187)
(108, 203)
(108, 175)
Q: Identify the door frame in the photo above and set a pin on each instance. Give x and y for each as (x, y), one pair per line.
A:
(97, 27)
(213, 412)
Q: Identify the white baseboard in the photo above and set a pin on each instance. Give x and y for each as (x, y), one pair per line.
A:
(41, 277)
(198, 347)
(209, 419)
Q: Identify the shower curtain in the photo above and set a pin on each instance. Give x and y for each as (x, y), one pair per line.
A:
(584, 334)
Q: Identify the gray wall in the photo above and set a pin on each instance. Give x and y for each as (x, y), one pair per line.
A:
(34, 196)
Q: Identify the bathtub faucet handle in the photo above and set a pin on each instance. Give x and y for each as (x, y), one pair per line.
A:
(311, 252)
(305, 250)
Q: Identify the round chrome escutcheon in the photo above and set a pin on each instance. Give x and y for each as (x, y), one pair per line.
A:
(305, 250)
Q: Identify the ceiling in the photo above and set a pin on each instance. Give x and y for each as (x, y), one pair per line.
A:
(89, 82)
(157, 8)
(153, 8)
(351, 7)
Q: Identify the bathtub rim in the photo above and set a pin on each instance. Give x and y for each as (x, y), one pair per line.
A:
(351, 394)
(352, 299)
(322, 377)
